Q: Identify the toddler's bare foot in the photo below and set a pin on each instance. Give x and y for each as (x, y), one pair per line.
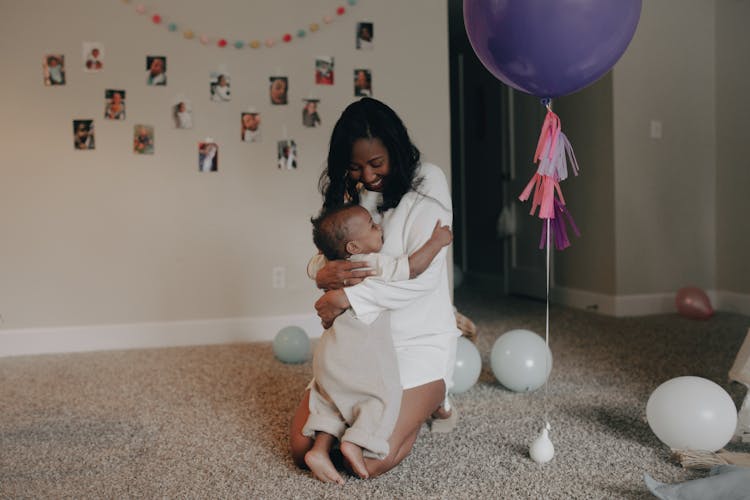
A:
(322, 468)
(353, 454)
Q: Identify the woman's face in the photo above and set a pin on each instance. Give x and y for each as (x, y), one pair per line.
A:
(278, 90)
(362, 79)
(157, 66)
(370, 164)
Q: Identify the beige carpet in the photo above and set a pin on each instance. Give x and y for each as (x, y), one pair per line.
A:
(212, 422)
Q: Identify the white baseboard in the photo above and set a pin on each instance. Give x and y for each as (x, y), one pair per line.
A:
(733, 302)
(583, 299)
(644, 304)
(24, 341)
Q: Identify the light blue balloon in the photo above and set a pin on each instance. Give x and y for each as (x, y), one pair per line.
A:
(468, 366)
(521, 360)
(292, 345)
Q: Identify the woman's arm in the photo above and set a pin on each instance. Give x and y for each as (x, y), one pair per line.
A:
(335, 274)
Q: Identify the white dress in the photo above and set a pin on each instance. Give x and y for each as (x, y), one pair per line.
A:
(423, 324)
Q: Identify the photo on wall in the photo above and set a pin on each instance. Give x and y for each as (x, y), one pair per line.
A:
(114, 107)
(53, 69)
(287, 154)
(156, 70)
(279, 88)
(365, 36)
(250, 123)
(182, 113)
(219, 86)
(324, 70)
(93, 57)
(362, 83)
(208, 156)
(143, 139)
(83, 134)
(310, 116)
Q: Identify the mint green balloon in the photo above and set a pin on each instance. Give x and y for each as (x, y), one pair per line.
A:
(291, 345)
(521, 360)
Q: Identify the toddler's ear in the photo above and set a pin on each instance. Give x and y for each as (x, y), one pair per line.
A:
(353, 248)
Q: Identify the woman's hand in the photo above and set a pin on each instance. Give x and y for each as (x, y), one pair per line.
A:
(337, 274)
(330, 306)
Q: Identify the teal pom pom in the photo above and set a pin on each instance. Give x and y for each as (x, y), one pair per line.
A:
(239, 44)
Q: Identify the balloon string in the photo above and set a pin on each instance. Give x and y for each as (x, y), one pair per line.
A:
(546, 332)
(547, 102)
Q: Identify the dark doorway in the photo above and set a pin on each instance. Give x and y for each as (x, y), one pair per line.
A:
(494, 130)
(479, 158)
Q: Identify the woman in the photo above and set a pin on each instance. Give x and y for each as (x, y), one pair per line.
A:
(371, 161)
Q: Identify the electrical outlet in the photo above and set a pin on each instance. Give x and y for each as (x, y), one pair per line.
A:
(655, 129)
(278, 277)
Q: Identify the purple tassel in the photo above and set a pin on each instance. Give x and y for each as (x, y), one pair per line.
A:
(557, 226)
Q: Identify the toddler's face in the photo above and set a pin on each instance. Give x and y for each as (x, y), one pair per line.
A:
(364, 231)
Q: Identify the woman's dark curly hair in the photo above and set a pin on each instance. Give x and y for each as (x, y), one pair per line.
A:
(369, 119)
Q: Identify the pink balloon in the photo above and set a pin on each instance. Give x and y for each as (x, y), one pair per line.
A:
(692, 302)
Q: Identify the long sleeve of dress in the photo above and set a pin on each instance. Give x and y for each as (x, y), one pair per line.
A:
(414, 219)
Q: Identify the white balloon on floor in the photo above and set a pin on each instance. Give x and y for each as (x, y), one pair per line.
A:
(521, 360)
(692, 413)
(468, 366)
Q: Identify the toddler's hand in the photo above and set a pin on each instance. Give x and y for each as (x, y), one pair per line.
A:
(442, 234)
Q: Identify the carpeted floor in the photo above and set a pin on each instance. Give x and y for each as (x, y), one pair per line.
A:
(212, 422)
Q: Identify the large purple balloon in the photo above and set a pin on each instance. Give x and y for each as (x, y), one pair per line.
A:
(550, 48)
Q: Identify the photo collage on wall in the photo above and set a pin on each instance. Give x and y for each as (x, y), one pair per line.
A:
(93, 61)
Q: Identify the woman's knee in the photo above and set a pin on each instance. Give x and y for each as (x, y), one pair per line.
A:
(299, 444)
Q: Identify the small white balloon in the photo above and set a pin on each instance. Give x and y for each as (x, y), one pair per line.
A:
(692, 413)
(521, 360)
(542, 450)
(468, 366)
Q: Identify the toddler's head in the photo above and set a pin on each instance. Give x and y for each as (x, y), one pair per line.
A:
(347, 230)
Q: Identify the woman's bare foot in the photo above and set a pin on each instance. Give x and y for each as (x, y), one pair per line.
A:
(441, 413)
(353, 454)
(321, 466)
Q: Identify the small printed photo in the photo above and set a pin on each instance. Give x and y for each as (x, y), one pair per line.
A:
(287, 154)
(324, 70)
(114, 108)
(93, 57)
(143, 139)
(53, 67)
(364, 36)
(220, 87)
(250, 126)
(208, 157)
(83, 134)
(182, 112)
(278, 89)
(362, 83)
(156, 70)
(310, 116)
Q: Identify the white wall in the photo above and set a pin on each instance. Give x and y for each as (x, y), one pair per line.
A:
(108, 237)
(665, 189)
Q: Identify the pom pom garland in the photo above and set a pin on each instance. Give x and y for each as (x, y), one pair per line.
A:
(222, 42)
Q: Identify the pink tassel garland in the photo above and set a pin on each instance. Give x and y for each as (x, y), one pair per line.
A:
(553, 152)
